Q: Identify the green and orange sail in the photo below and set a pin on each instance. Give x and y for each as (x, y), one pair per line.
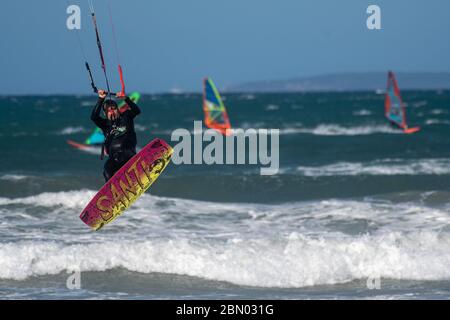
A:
(216, 116)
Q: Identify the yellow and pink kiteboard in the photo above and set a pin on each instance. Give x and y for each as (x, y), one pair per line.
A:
(127, 185)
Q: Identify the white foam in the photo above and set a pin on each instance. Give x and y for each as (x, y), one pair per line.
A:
(72, 130)
(420, 104)
(383, 167)
(288, 245)
(337, 130)
(437, 121)
(292, 261)
(24, 134)
(272, 107)
(151, 210)
(176, 90)
(247, 97)
(139, 127)
(438, 111)
(87, 103)
(363, 112)
(68, 199)
(13, 177)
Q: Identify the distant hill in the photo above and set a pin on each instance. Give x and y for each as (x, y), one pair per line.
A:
(369, 81)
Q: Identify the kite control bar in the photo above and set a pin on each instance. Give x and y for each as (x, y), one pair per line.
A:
(115, 94)
(108, 92)
(95, 89)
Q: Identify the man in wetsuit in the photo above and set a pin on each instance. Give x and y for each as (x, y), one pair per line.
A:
(118, 128)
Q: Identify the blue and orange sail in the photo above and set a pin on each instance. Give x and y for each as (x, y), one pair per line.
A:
(216, 116)
(395, 110)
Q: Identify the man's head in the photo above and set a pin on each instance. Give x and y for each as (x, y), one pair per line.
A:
(111, 110)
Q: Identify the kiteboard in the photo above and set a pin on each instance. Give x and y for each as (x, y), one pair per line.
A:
(127, 185)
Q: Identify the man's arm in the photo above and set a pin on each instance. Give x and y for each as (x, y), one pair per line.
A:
(95, 115)
(134, 109)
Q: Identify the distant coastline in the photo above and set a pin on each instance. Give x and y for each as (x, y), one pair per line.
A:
(368, 81)
(337, 82)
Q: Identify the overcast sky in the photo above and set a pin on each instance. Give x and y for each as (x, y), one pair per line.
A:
(167, 44)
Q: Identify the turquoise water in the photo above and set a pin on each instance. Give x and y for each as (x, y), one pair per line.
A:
(354, 199)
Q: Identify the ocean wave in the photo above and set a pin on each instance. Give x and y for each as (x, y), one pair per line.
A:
(363, 112)
(13, 177)
(150, 209)
(272, 107)
(67, 199)
(87, 103)
(139, 127)
(247, 97)
(380, 167)
(437, 121)
(293, 261)
(19, 134)
(287, 245)
(72, 130)
(337, 130)
(420, 104)
(438, 111)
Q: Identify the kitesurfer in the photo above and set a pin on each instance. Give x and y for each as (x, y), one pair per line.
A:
(118, 129)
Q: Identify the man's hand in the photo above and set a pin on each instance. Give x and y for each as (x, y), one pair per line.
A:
(120, 95)
(102, 94)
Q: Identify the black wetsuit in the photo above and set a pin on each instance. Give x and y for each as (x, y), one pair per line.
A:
(120, 137)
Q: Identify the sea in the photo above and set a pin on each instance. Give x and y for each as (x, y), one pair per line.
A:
(357, 210)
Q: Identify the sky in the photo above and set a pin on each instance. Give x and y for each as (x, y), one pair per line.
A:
(172, 44)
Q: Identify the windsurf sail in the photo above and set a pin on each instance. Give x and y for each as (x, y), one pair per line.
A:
(97, 136)
(216, 116)
(395, 110)
(394, 107)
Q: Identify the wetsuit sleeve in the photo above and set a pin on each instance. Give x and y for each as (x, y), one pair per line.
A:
(134, 109)
(95, 116)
